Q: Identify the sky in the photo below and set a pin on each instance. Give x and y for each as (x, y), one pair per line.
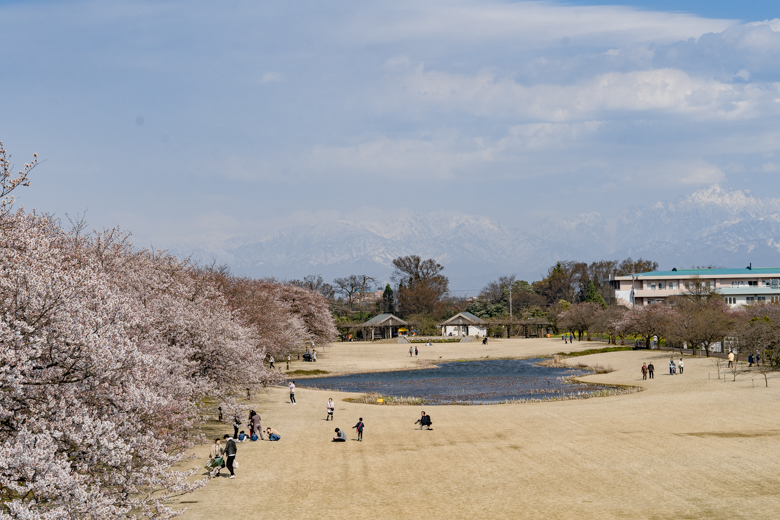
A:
(193, 122)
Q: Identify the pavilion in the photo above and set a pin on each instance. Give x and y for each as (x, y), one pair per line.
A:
(388, 325)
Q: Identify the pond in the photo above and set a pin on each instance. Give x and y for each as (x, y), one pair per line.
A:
(477, 382)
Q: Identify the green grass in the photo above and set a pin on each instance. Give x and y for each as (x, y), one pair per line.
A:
(306, 372)
(595, 351)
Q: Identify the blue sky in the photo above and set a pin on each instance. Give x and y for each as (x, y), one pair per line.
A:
(191, 122)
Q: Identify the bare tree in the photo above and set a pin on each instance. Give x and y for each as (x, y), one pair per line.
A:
(581, 318)
(315, 283)
(349, 286)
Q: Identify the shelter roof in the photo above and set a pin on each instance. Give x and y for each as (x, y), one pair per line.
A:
(464, 318)
(385, 320)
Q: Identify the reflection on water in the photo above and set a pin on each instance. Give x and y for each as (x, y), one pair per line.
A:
(468, 381)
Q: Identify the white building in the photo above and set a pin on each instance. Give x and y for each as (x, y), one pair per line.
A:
(737, 286)
(464, 324)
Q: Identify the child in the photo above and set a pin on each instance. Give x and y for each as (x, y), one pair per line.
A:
(681, 366)
(331, 407)
(242, 436)
(359, 428)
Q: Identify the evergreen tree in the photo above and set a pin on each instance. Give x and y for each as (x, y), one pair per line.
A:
(592, 296)
(388, 300)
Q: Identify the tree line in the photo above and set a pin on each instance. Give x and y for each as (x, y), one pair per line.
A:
(111, 356)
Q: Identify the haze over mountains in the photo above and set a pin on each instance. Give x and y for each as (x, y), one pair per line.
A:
(711, 226)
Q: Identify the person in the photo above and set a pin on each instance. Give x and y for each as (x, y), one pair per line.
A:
(410, 351)
(750, 360)
(680, 366)
(230, 453)
(650, 370)
(242, 436)
(758, 359)
(220, 414)
(359, 428)
(314, 355)
(484, 340)
(731, 358)
(273, 435)
(672, 367)
(236, 425)
(256, 425)
(415, 351)
(216, 453)
(330, 407)
(644, 371)
(424, 420)
(340, 436)
(254, 437)
(271, 361)
(288, 361)
(292, 391)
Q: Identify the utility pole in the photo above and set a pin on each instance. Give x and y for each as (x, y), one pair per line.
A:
(510, 301)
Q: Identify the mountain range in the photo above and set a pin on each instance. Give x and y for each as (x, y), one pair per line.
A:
(712, 226)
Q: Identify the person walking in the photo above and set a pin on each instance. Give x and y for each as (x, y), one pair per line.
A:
(340, 436)
(331, 408)
(671, 366)
(314, 355)
(410, 351)
(359, 428)
(220, 414)
(644, 371)
(750, 360)
(758, 359)
(731, 359)
(230, 453)
(292, 391)
(415, 351)
(271, 361)
(680, 366)
(288, 361)
(650, 370)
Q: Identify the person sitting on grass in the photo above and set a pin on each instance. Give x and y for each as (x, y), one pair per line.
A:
(242, 436)
(273, 435)
(340, 436)
(424, 420)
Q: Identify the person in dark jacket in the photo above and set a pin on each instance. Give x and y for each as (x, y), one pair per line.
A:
(230, 454)
(359, 428)
(424, 421)
(650, 370)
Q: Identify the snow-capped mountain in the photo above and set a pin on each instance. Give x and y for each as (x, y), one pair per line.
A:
(711, 226)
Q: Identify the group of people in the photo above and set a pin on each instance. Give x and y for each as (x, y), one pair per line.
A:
(223, 456)
(754, 359)
(568, 338)
(674, 368)
(413, 350)
(341, 435)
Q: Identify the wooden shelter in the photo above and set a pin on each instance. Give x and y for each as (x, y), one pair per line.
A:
(386, 324)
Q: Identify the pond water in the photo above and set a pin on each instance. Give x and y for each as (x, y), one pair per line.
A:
(478, 382)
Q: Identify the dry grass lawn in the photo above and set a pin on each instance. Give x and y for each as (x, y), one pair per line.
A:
(689, 447)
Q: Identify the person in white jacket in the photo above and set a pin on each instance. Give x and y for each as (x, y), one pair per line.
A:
(331, 408)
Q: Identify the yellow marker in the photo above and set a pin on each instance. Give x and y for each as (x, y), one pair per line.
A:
(380, 400)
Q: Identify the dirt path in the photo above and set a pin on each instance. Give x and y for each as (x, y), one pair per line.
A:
(687, 447)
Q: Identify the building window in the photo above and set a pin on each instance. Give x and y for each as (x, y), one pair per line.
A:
(731, 300)
(752, 283)
(750, 299)
(672, 285)
(651, 286)
(661, 285)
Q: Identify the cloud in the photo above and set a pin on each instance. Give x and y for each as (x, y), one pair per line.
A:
(271, 77)
(668, 90)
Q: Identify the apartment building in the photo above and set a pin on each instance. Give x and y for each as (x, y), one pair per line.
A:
(737, 286)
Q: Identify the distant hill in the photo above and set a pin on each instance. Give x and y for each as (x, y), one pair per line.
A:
(710, 226)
